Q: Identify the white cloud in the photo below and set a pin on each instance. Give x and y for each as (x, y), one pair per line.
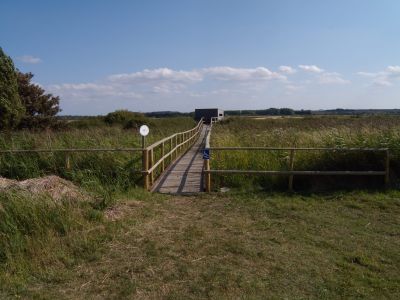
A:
(393, 71)
(383, 78)
(311, 68)
(29, 59)
(331, 78)
(287, 70)
(242, 74)
(160, 74)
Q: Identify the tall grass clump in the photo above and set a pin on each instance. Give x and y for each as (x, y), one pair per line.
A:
(319, 132)
(42, 240)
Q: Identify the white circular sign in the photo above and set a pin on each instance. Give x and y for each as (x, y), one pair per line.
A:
(144, 130)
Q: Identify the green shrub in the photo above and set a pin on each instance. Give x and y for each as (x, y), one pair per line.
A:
(122, 117)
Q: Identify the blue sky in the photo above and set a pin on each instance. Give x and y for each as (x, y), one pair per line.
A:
(179, 55)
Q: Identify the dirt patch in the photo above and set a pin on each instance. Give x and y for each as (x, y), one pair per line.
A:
(57, 188)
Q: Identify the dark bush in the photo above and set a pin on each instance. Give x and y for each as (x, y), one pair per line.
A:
(122, 117)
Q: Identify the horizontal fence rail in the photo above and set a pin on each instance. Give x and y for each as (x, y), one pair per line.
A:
(300, 149)
(291, 172)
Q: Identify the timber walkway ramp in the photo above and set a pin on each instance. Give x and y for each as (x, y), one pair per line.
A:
(184, 176)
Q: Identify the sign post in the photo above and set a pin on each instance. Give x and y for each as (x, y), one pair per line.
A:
(144, 131)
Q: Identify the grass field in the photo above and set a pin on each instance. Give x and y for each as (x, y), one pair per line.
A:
(252, 244)
(337, 132)
(341, 245)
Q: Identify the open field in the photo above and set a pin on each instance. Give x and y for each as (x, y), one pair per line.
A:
(325, 132)
(342, 245)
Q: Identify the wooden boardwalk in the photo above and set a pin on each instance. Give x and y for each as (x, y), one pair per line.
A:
(184, 176)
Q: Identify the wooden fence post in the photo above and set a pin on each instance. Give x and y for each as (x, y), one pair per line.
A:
(291, 164)
(145, 168)
(151, 163)
(208, 175)
(387, 169)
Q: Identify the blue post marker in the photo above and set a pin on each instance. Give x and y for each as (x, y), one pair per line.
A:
(206, 153)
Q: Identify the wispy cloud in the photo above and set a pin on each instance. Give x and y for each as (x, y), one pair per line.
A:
(332, 78)
(321, 76)
(29, 59)
(385, 77)
(311, 68)
(287, 70)
(242, 74)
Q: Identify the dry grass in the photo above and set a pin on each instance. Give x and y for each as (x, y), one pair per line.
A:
(245, 246)
(56, 188)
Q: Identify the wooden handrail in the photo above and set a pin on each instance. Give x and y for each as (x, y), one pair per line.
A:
(182, 141)
(173, 135)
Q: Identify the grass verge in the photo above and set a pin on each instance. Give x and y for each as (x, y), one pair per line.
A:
(224, 246)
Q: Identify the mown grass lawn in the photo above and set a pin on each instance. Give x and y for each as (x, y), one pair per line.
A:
(251, 246)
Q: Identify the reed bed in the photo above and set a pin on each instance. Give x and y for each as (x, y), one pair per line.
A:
(312, 132)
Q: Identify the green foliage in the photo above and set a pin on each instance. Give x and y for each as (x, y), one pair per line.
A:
(122, 117)
(11, 108)
(40, 108)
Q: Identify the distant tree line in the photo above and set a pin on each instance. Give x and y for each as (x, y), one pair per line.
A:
(24, 104)
(268, 112)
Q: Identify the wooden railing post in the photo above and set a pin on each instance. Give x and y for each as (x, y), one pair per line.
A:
(291, 164)
(208, 175)
(151, 163)
(162, 155)
(170, 149)
(176, 146)
(387, 169)
(145, 168)
(207, 157)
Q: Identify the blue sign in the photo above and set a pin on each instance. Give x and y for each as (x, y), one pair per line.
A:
(206, 154)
